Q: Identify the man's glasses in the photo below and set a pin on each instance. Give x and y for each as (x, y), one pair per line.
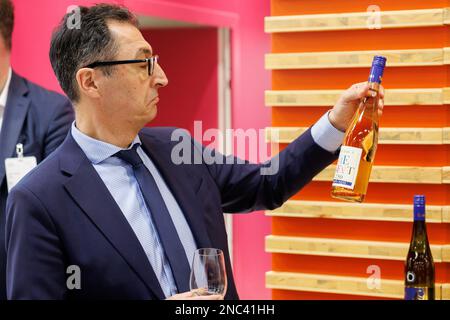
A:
(151, 62)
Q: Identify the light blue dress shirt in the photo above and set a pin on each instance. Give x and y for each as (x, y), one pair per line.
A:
(326, 135)
(119, 178)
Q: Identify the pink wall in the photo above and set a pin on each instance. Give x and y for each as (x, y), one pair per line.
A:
(36, 19)
(248, 84)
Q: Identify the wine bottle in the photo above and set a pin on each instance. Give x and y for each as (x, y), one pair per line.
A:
(419, 266)
(360, 143)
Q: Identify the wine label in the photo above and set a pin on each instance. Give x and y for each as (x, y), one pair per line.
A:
(347, 167)
(419, 293)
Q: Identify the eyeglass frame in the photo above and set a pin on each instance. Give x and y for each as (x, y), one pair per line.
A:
(151, 62)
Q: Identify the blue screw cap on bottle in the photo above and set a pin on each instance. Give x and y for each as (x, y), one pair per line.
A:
(376, 73)
(419, 207)
(379, 61)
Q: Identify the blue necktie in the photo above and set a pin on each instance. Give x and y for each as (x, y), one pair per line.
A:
(164, 225)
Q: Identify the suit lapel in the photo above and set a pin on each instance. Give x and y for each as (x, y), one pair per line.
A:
(90, 193)
(15, 113)
(180, 184)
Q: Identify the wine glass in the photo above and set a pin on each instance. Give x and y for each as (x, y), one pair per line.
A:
(208, 273)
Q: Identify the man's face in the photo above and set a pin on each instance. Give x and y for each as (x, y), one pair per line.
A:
(130, 95)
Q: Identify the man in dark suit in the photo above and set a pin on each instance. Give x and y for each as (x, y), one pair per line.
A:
(30, 115)
(114, 213)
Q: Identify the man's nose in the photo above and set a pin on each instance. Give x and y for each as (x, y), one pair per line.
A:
(160, 78)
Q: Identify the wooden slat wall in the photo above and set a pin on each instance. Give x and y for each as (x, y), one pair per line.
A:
(357, 20)
(341, 285)
(414, 136)
(349, 248)
(357, 59)
(357, 211)
(394, 97)
(321, 248)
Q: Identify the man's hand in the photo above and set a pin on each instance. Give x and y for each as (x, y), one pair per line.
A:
(195, 295)
(342, 113)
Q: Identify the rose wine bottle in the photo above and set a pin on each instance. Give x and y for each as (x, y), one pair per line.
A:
(360, 143)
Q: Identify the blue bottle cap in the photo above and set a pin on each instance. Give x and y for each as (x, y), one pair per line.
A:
(379, 61)
(377, 70)
(419, 200)
(419, 207)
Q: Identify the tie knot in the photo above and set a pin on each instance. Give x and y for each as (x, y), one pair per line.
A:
(131, 156)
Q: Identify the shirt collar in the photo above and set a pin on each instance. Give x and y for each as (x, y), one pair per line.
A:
(96, 150)
(4, 93)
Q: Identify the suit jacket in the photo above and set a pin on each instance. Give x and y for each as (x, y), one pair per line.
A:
(40, 120)
(61, 214)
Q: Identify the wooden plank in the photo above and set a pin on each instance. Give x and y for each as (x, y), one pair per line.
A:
(320, 98)
(445, 174)
(445, 291)
(355, 20)
(446, 16)
(446, 135)
(332, 284)
(357, 211)
(338, 284)
(355, 59)
(294, 98)
(349, 248)
(445, 214)
(397, 174)
(446, 253)
(414, 136)
(446, 55)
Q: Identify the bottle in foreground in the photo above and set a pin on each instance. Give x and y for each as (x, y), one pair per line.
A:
(360, 143)
(419, 266)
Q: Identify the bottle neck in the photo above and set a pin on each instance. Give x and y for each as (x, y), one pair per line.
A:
(375, 76)
(419, 241)
(419, 227)
(374, 86)
(419, 213)
(370, 102)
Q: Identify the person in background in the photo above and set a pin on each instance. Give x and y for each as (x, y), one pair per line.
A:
(29, 115)
(117, 205)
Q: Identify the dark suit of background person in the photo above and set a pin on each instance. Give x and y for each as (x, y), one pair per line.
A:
(33, 116)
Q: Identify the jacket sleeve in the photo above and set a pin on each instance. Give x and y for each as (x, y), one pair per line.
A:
(35, 268)
(246, 187)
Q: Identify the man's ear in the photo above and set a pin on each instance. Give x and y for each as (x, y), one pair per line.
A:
(87, 80)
